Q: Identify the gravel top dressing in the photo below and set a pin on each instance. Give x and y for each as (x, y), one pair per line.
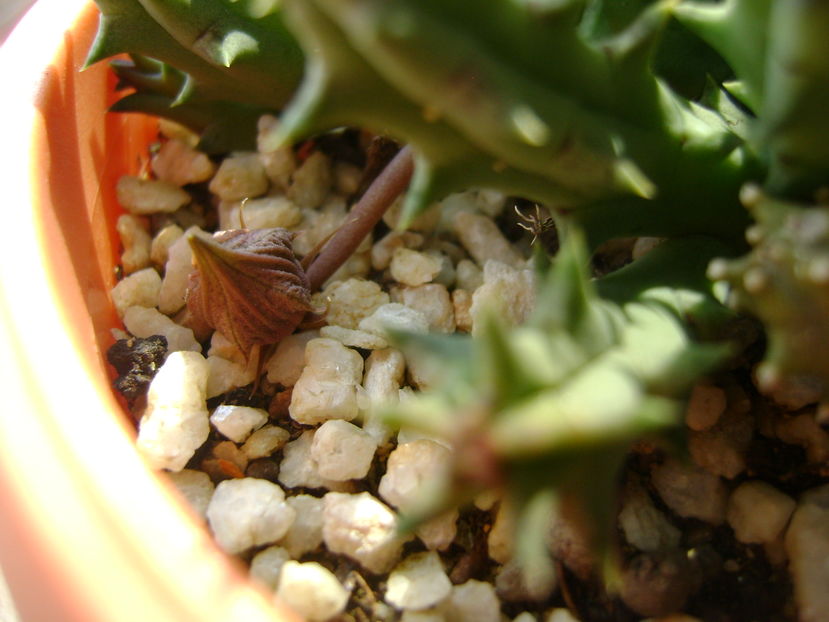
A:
(284, 451)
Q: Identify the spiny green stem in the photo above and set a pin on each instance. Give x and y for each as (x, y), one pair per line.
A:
(363, 216)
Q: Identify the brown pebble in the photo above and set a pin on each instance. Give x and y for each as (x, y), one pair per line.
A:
(656, 585)
(278, 408)
(215, 469)
(263, 468)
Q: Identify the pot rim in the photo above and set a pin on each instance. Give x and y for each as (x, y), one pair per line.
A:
(87, 532)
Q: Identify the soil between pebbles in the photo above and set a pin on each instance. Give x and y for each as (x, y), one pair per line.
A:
(693, 533)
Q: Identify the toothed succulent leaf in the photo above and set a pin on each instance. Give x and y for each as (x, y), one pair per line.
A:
(244, 39)
(551, 408)
(780, 54)
(222, 125)
(597, 128)
(213, 66)
(738, 30)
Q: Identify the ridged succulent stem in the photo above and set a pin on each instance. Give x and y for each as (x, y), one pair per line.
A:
(366, 213)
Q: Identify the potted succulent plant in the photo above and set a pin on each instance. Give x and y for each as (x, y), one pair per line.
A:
(697, 123)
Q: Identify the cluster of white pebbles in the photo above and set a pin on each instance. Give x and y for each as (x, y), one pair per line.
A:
(437, 276)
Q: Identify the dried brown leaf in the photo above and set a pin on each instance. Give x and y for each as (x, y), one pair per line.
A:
(248, 285)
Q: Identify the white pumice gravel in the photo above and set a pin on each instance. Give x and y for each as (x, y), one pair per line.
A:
(758, 512)
(327, 387)
(226, 375)
(178, 163)
(299, 469)
(311, 181)
(238, 422)
(175, 423)
(265, 441)
(803, 430)
(176, 272)
(487, 499)
(384, 249)
(342, 450)
(136, 242)
(248, 512)
(468, 275)
(223, 347)
(347, 302)
(434, 614)
(347, 178)
(148, 321)
(384, 371)
(263, 213)
(354, 338)
(569, 544)
(330, 360)
(139, 289)
(807, 545)
(411, 267)
(279, 165)
(481, 237)
(196, 487)
(499, 541)
(288, 360)
(313, 424)
(439, 533)
(411, 469)
(149, 196)
(691, 491)
(160, 245)
(462, 310)
(559, 614)
(279, 162)
(434, 302)
(409, 435)
(383, 374)
(447, 274)
(705, 405)
(266, 565)
(362, 528)
(394, 316)
(305, 533)
(506, 291)
(418, 582)
(311, 590)
(317, 225)
(511, 584)
(644, 525)
(721, 448)
(427, 222)
(473, 600)
(240, 176)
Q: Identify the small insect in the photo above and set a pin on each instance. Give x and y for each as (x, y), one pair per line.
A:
(543, 229)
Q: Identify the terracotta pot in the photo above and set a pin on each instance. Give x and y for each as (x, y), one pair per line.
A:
(87, 531)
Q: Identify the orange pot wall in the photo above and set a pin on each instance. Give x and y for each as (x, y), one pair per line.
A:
(87, 532)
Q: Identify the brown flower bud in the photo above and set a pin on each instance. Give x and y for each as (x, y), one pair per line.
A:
(248, 285)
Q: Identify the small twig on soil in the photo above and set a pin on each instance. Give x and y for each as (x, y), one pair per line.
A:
(363, 216)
